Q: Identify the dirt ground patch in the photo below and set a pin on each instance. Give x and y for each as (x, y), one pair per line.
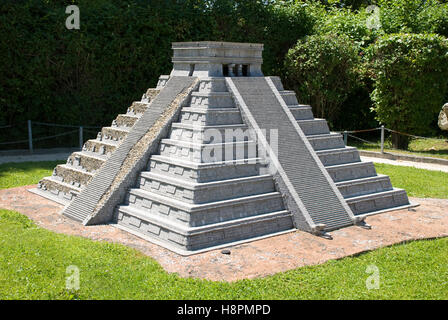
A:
(254, 259)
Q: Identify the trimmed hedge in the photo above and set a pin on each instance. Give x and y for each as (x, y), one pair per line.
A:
(88, 76)
(323, 71)
(52, 74)
(410, 73)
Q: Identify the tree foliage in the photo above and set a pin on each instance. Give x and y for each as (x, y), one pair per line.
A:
(87, 76)
(322, 69)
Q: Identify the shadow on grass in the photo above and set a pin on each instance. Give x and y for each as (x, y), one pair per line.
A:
(432, 152)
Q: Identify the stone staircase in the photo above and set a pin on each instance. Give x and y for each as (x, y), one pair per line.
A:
(70, 178)
(189, 200)
(365, 191)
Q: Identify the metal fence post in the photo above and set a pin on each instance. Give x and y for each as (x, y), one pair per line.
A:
(345, 137)
(81, 138)
(382, 139)
(30, 137)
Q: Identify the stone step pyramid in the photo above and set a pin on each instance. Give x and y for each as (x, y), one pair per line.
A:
(216, 155)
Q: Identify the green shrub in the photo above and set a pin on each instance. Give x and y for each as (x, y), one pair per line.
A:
(410, 73)
(323, 71)
(414, 16)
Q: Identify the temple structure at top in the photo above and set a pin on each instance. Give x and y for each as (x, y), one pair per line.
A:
(217, 59)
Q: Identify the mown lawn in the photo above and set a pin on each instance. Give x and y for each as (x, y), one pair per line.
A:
(33, 262)
(419, 183)
(24, 173)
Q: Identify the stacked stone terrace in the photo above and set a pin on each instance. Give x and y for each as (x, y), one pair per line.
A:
(365, 191)
(209, 184)
(70, 178)
(192, 198)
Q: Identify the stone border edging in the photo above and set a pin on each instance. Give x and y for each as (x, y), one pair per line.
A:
(395, 156)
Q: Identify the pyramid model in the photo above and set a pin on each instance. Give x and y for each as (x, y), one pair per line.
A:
(218, 154)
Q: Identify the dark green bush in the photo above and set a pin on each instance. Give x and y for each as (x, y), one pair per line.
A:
(323, 71)
(87, 76)
(343, 21)
(410, 73)
(52, 74)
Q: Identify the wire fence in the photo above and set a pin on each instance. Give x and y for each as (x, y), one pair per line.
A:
(30, 134)
(381, 133)
(27, 134)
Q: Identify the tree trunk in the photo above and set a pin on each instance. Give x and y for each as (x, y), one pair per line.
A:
(400, 141)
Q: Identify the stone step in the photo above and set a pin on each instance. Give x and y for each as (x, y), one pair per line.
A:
(71, 175)
(196, 238)
(212, 85)
(351, 171)
(301, 112)
(150, 94)
(138, 108)
(212, 100)
(314, 127)
(209, 134)
(85, 160)
(126, 120)
(373, 203)
(203, 192)
(102, 147)
(289, 97)
(204, 172)
(326, 141)
(338, 156)
(190, 214)
(207, 117)
(163, 79)
(364, 186)
(59, 189)
(277, 82)
(208, 153)
(114, 133)
(306, 184)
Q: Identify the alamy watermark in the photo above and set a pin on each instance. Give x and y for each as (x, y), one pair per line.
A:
(73, 20)
(373, 281)
(72, 279)
(213, 145)
(373, 20)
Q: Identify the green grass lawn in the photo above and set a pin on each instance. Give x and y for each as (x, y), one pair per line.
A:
(435, 148)
(417, 182)
(33, 261)
(24, 173)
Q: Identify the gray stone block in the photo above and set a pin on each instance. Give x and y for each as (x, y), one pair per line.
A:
(210, 117)
(301, 112)
(314, 126)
